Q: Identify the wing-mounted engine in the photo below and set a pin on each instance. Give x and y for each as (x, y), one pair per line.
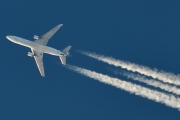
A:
(30, 54)
(36, 37)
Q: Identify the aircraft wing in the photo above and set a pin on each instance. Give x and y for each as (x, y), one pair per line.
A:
(38, 58)
(43, 40)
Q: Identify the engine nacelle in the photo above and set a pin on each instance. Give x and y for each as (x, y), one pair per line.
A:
(36, 37)
(30, 54)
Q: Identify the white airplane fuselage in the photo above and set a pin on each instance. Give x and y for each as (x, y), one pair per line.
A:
(35, 46)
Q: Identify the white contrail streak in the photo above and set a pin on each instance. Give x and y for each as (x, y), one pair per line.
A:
(152, 82)
(163, 76)
(154, 95)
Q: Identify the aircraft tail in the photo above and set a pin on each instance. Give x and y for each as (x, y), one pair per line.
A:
(63, 59)
(66, 53)
(66, 50)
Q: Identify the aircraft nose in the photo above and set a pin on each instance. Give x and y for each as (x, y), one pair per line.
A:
(8, 37)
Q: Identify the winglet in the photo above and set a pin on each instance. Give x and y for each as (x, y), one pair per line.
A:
(60, 25)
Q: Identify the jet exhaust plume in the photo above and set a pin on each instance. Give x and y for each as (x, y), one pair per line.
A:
(161, 75)
(152, 82)
(154, 95)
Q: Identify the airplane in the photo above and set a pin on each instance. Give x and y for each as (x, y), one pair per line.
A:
(38, 47)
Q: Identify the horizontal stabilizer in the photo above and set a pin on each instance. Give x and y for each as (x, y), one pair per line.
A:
(66, 53)
(66, 50)
(63, 59)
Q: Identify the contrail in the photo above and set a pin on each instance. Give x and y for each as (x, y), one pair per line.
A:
(152, 82)
(163, 76)
(154, 95)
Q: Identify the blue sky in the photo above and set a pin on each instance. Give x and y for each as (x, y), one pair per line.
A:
(142, 32)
